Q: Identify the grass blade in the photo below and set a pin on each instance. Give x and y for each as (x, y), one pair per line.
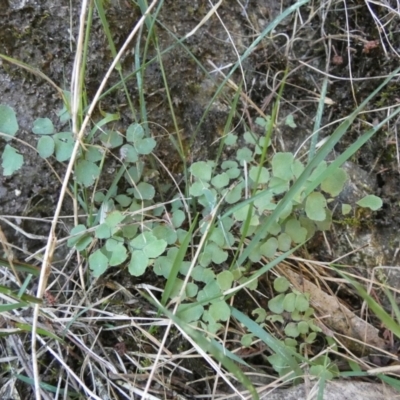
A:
(268, 339)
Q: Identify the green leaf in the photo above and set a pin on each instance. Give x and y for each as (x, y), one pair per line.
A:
(144, 191)
(76, 233)
(165, 232)
(262, 315)
(225, 280)
(12, 160)
(278, 185)
(284, 242)
(128, 153)
(45, 146)
(138, 264)
(201, 170)
(118, 255)
(268, 249)
(155, 248)
(250, 138)
(94, 154)
(210, 292)
(142, 240)
(190, 313)
(233, 173)
(197, 188)
(230, 139)
(229, 164)
(114, 218)
(292, 330)
(86, 172)
(134, 132)
(145, 146)
(123, 200)
(302, 304)
(103, 231)
(303, 327)
(111, 139)
(310, 338)
(98, 263)
(244, 154)
(246, 340)
(64, 144)
(129, 231)
(282, 166)
(281, 284)
(191, 289)
(297, 168)
(321, 371)
(43, 126)
(346, 208)
(220, 311)
(264, 174)
(134, 173)
(370, 201)
(220, 181)
(113, 243)
(8, 121)
(162, 267)
(178, 217)
(295, 230)
(289, 121)
(334, 183)
(275, 305)
(217, 236)
(241, 213)
(318, 170)
(325, 225)
(234, 195)
(218, 256)
(316, 206)
(83, 242)
(289, 302)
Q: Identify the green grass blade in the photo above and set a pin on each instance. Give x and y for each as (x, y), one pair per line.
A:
(348, 153)
(386, 319)
(21, 267)
(40, 331)
(46, 386)
(23, 287)
(210, 346)
(177, 263)
(14, 306)
(393, 382)
(269, 340)
(17, 296)
(320, 155)
(318, 118)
